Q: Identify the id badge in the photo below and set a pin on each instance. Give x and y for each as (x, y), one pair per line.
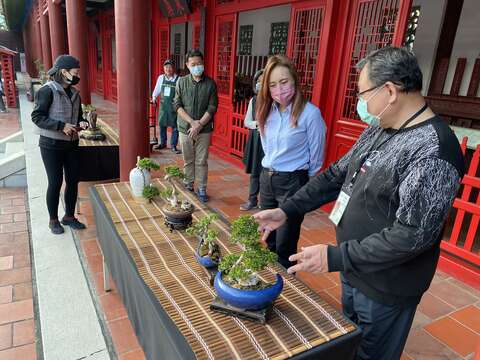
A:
(339, 208)
(166, 91)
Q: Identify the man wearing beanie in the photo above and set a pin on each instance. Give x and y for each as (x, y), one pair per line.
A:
(57, 115)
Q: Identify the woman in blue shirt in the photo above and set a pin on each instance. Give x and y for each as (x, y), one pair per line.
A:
(293, 137)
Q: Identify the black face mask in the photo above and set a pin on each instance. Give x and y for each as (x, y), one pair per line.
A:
(73, 81)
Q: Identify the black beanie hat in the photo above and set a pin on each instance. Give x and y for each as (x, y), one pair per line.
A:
(66, 62)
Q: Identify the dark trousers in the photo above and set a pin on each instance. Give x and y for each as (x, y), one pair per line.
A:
(254, 188)
(275, 189)
(56, 162)
(384, 327)
(163, 136)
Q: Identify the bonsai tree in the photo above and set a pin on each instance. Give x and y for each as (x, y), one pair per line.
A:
(208, 246)
(147, 164)
(42, 74)
(149, 192)
(240, 270)
(90, 115)
(171, 194)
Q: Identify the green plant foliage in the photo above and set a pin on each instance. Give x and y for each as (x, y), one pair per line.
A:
(167, 193)
(240, 267)
(149, 192)
(148, 164)
(174, 171)
(88, 108)
(201, 228)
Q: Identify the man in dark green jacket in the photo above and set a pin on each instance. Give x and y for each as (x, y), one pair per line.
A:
(196, 103)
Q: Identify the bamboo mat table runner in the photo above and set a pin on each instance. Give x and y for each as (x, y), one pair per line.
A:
(300, 320)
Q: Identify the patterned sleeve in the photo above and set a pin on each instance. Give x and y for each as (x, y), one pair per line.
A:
(426, 195)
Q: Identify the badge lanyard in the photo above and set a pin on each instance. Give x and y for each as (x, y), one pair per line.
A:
(344, 198)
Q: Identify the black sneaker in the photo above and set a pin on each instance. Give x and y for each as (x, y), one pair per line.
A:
(55, 227)
(160, 147)
(73, 223)
(176, 151)
(248, 206)
(202, 195)
(188, 186)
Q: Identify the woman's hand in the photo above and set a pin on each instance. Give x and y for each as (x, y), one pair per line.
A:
(69, 129)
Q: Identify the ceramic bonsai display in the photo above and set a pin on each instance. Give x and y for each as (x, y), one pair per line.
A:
(140, 175)
(237, 283)
(93, 132)
(208, 251)
(178, 213)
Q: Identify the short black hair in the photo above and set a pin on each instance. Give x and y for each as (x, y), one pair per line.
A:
(193, 53)
(395, 64)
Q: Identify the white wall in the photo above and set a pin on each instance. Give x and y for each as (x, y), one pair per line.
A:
(261, 21)
(467, 44)
(427, 35)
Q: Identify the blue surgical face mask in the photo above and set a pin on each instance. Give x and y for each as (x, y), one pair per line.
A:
(197, 70)
(258, 87)
(362, 110)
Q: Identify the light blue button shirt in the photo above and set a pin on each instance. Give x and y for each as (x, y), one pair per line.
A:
(300, 148)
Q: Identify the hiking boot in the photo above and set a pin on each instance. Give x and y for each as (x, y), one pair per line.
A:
(202, 195)
(73, 223)
(248, 206)
(55, 227)
(160, 147)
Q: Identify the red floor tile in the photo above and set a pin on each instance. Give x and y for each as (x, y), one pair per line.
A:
(136, 354)
(422, 346)
(23, 332)
(16, 311)
(15, 276)
(470, 317)
(112, 306)
(123, 336)
(6, 219)
(22, 260)
(95, 263)
(90, 247)
(461, 339)
(452, 295)
(6, 294)
(25, 352)
(6, 262)
(433, 307)
(22, 291)
(14, 227)
(5, 336)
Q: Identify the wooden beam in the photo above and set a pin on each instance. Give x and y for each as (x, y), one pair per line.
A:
(455, 106)
(451, 18)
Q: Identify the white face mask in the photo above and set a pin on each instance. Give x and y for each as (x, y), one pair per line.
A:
(196, 70)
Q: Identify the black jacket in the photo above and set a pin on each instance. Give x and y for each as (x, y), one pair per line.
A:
(389, 235)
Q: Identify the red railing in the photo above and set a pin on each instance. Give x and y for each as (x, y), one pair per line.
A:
(461, 250)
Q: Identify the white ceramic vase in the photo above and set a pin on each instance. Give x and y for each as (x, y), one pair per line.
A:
(139, 178)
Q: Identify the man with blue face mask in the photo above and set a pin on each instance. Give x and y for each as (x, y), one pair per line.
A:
(196, 103)
(394, 189)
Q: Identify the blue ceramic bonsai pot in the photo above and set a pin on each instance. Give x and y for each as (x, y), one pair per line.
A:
(205, 261)
(248, 299)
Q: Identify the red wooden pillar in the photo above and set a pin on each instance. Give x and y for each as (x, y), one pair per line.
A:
(78, 43)
(131, 32)
(57, 29)
(29, 46)
(37, 35)
(46, 48)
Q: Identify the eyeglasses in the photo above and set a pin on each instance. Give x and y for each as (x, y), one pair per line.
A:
(359, 93)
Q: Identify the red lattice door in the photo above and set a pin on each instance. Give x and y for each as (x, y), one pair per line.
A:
(224, 65)
(372, 24)
(9, 80)
(305, 45)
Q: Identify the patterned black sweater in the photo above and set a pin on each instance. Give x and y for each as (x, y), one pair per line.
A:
(389, 235)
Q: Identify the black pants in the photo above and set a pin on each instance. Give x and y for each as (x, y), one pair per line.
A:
(254, 188)
(275, 189)
(384, 327)
(57, 161)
